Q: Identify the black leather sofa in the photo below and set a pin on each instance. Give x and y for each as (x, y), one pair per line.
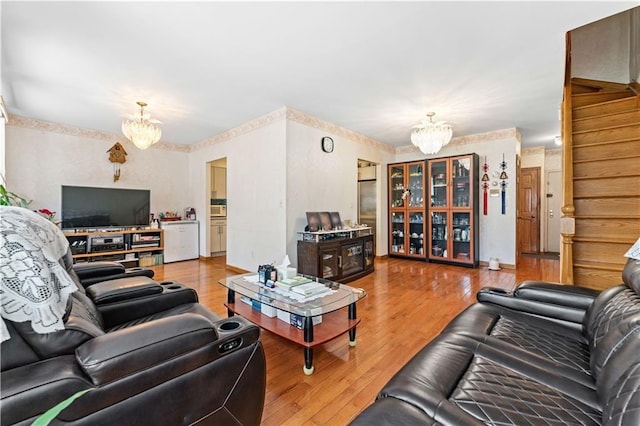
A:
(149, 352)
(544, 354)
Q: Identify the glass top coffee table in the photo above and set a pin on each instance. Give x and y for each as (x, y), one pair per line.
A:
(328, 304)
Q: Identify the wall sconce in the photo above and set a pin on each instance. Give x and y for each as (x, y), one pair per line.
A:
(118, 156)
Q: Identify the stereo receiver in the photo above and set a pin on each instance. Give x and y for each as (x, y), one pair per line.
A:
(109, 242)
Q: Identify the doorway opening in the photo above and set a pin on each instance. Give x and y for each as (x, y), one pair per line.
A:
(367, 196)
(217, 202)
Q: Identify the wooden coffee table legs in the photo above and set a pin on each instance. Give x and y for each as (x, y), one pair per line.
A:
(308, 338)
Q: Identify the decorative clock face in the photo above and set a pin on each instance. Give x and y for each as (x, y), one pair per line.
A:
(327, 144)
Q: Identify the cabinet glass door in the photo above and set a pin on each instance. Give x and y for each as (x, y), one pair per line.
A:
(396, 188)
(352, 258)
(368, 253)
(438, 183)
(415, 185)
(330, 262)
(461, 236)
(416, 233)
(397, 232)
(438, 234)
(461, 191)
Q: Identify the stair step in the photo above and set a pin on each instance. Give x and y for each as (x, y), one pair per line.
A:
(588, 251)
(607, 207)
(583, 99)
(607, 168)
(607, 228)
(628, 186)
(616, 105)
(596, 84)
(606, 120)
(613, 149)
(597, 275)
(613, 133)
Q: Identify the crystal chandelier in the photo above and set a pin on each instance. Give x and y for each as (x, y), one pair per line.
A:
(142, 130)
(430, 137)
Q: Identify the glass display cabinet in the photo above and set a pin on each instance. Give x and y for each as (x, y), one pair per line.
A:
(407, 209)
(453, 211)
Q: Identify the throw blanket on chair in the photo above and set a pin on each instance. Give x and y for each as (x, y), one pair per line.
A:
(34, 285)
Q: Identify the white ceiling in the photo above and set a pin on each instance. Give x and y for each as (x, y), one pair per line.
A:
(375, 68)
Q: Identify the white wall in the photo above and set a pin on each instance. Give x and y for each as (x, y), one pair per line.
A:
(497, 231)
(601, 50)
(320, 181)
(39, 162)
(2, 149)
(634, 48)
(256, 173)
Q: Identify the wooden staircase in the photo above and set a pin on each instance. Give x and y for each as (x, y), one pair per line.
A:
(605, 151)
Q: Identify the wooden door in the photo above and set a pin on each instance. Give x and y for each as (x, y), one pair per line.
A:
(528, 210)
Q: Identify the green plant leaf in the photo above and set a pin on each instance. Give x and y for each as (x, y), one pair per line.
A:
(52, 412)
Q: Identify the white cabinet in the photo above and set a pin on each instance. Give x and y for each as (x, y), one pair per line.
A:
(180, 240)
(218, 182)
(218, 235)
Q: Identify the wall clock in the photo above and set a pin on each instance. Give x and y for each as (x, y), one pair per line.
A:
(327, 144)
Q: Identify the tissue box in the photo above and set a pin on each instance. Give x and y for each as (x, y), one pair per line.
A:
(269, 311)
(286, 272)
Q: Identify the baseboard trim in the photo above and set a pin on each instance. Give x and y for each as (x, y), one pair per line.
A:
(502, 265)
(236, 269)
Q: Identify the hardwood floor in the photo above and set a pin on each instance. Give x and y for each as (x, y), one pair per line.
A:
(408, 304)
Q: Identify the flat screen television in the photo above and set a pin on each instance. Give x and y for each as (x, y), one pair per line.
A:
(87, 207)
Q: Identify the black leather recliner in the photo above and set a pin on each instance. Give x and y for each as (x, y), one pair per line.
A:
(149, 352)
(544, 354)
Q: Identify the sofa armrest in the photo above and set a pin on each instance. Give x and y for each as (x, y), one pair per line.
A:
(557, 294)
(122, 289)
(550, 300)
(91, 273)
(173, 294)
(125, 352)
(29, 390)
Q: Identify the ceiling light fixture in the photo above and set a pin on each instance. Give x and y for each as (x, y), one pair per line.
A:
(142, 130)
(430, 137)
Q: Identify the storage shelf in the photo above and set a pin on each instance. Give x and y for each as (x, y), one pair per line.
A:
(157, 240)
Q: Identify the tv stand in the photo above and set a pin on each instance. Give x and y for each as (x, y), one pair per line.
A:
(131, 247)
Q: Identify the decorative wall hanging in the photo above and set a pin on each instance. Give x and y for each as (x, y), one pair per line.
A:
(118, 156)
(503, 184)
(485, 185)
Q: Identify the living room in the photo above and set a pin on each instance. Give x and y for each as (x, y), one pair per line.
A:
(276, 168)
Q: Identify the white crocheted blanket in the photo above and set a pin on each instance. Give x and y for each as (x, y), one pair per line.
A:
(34, 285)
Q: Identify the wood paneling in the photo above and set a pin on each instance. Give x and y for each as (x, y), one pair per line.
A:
(408, 304)
(606, 120)
(617, 149)
(607, 168)
(598, 279)
(608, 187)
(618, 133)
(607, 227)
(582, 99)
(600, 252)
(617, 105)
(602, 207)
